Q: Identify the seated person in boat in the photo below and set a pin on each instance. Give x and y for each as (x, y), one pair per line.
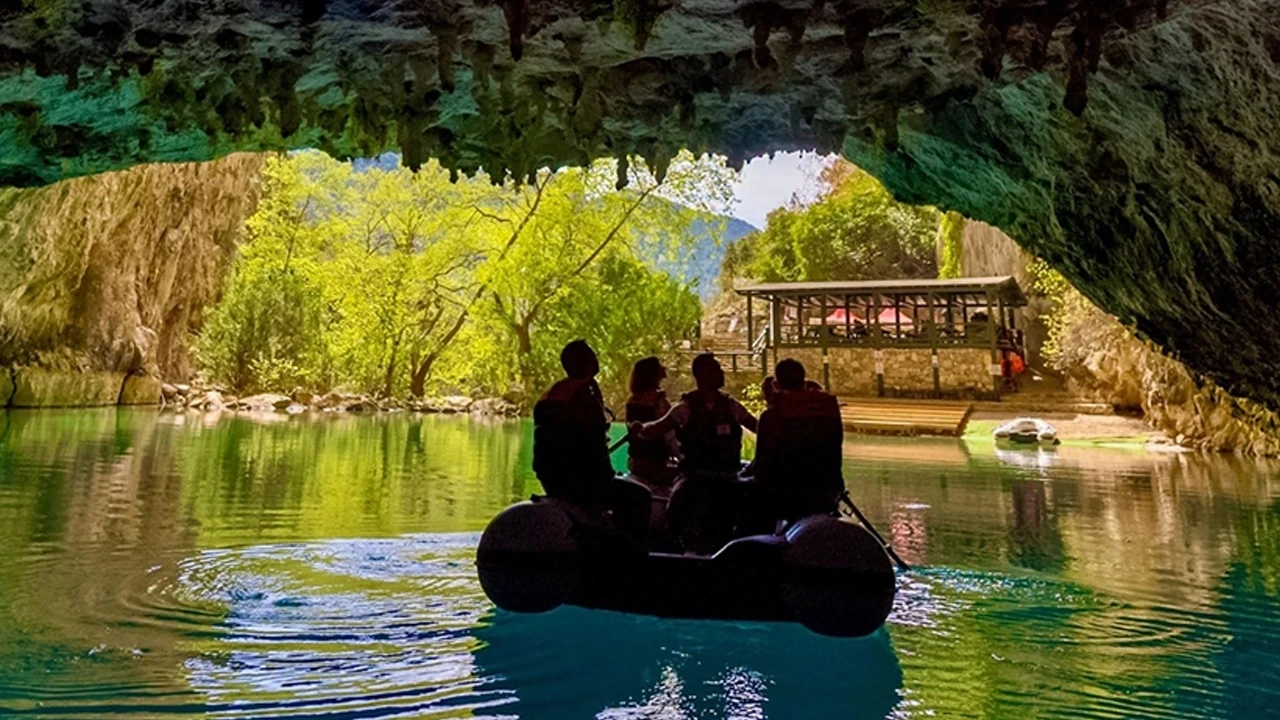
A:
(571, 445)
(708, 425)
(798, 453)
(650, 460)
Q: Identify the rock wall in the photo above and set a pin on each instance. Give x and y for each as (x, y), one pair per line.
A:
(106, 276)
(1158, 202)
(907, 371)
(984, 250)
(1103, 360)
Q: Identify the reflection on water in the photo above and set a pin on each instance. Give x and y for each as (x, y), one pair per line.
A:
(158, 565)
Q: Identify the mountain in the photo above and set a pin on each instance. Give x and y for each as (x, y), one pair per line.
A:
(699, 265)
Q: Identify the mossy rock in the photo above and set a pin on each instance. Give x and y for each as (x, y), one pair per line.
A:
(140, 390)
(40, 388)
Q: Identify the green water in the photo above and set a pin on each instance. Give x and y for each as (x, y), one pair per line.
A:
(158, 565)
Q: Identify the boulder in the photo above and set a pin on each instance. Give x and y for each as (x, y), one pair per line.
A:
(302, 397)
(456, 404)
(360, 405)
(38, 387)
(213, 400)
(295, 409)
(169, 391)
(141, 390)
(492, 406)
(265, 401)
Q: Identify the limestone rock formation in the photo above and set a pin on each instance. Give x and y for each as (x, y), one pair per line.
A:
(1127, 142)
(107, 275)
(41, 388)
(1102, 359)
(140, 390)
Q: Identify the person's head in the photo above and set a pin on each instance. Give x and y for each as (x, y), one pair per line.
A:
(769, 389)
(707, 372)
(647, 375)
(790, 374)
(579, 360)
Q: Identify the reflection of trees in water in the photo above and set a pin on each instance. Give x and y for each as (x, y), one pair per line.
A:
(93, 535)
(352, 475)
(575, 663)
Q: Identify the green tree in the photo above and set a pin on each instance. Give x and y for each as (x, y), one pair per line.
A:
(382, 279)
(268, 329)
(571, 221)
(854, 231)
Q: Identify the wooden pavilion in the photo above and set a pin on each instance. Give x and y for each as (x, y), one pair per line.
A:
(903, 338)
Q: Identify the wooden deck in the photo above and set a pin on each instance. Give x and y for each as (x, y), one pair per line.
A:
(904, 417)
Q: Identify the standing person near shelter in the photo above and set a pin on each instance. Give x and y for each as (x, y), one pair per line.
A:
(571, 446)
(798, 453)
(708, 424)
(649, 460)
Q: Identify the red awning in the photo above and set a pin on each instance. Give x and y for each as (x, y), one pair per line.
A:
(887, 317)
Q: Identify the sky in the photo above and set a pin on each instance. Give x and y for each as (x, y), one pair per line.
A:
(766, 184)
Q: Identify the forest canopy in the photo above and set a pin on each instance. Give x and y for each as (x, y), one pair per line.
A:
(380, 280)
(853, 230)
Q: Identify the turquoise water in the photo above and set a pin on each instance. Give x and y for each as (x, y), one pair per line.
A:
(159, 565)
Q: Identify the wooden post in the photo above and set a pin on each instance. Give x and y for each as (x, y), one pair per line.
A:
(996, 379)
(774, 303)
(876, 343)
(822, 342)
(933, 345)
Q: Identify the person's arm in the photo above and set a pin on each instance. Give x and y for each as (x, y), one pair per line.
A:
(674, 418)
(744, 416)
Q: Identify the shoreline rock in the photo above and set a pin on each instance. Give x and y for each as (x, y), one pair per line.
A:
(178, 397)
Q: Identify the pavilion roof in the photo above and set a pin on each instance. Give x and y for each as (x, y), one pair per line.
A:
(1003, 286)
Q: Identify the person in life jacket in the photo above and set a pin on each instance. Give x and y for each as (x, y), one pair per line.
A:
(798, 454)
(571, 445)
(650, 460)
(708, 424)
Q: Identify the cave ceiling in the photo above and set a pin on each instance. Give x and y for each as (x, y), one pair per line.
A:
(1127, 142)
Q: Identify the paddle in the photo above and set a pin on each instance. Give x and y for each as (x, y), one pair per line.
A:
(848, 501)
(621, 441)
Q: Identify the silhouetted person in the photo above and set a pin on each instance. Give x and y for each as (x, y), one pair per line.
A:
(798, 453)
(571, 445)
(709, 426)
(649, 460)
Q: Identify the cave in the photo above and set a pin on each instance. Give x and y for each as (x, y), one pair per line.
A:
(1127, 143)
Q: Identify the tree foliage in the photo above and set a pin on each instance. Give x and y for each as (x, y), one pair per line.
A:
(855, 230)
(392, 282)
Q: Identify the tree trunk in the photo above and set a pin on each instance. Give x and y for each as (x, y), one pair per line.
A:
(524, 358)
(418, 382)
(389, 382)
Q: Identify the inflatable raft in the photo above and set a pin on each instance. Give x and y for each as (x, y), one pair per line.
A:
(1026, 431)
(828, 574)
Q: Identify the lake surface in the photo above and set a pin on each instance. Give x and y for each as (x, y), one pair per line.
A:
(156, 565)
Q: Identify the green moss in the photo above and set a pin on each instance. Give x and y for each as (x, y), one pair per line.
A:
(951, 231)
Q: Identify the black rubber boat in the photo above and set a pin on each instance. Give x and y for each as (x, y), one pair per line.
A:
(826, 573)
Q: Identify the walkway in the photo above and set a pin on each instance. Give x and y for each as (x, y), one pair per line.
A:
(904, 417)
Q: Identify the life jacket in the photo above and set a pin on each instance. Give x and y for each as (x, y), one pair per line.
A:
(711, 439)
(570, 441)
(644, 408)
(806, 451)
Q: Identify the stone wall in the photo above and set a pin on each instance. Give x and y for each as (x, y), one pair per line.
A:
(965, 369)
(907, 371)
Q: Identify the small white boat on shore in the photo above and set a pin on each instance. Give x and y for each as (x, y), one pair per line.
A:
(1026, 431)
